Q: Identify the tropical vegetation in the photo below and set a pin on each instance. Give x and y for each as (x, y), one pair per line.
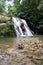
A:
(30, 10)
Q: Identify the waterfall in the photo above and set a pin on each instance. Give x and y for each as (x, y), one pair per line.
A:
(21, 27)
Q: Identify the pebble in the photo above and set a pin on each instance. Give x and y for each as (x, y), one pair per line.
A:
(41, 51)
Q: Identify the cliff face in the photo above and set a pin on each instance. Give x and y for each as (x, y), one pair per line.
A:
(4, 18)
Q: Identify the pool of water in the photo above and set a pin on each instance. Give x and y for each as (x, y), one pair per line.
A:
(4, 42)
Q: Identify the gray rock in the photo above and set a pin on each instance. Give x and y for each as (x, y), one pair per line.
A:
(41, 51)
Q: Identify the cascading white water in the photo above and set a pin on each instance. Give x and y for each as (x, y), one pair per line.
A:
(28, 32)
(17, 25)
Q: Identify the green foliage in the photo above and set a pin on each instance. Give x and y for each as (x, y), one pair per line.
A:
(2, 6)
(32, 11)
(7, 29)
(13, 10)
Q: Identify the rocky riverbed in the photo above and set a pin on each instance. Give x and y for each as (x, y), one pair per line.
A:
(24, 51)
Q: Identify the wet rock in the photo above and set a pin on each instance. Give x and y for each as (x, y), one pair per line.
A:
(1, 57)
(29, 56)
(10, 50)
(20, 46)
(7, 46)
(38, 57)
(33, 49)
(41, 51)
(40, 41)
(40, 45)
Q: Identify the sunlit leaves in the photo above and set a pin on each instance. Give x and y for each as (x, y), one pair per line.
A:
(2, 6)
